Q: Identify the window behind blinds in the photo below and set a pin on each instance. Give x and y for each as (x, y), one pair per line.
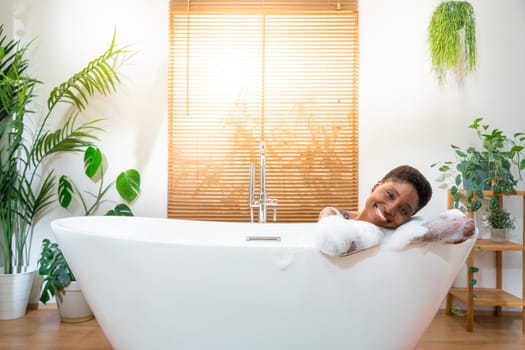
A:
(241, 72)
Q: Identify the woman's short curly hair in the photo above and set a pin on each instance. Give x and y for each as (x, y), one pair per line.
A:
(410, 175)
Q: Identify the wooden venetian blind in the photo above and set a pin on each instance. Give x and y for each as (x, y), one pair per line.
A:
(240, 72)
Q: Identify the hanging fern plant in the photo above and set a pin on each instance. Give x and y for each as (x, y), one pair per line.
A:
(452, 37)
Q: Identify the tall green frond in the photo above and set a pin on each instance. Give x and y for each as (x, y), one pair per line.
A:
(16, 89)
(34, 203)
(45, 196)
(98, 76)
(69, 138)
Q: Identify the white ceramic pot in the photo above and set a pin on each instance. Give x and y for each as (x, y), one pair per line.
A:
(72, 306)
(14, 294)
(498, 234)
(34, 296)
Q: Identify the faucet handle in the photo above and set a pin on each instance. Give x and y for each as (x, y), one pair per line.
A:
(252, 183)
(273, 203)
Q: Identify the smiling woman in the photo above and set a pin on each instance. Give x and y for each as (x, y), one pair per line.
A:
(242, 72)
(390, 204)
(401, 193)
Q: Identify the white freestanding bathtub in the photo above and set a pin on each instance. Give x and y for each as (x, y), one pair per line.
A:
(175, 284)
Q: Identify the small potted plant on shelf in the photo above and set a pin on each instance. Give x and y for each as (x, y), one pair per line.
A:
(491, 166)
(500, 221)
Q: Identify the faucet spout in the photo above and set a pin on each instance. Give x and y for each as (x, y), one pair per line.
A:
(263, 203)
(252, 190)
(262, 194)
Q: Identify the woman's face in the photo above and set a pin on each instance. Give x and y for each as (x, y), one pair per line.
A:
(390, 204)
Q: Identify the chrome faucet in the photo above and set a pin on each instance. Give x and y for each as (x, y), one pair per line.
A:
(263, 203)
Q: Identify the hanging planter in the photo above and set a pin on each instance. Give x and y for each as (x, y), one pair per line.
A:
(452, 39)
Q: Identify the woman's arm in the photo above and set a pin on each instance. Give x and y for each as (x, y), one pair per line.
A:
(327, 211)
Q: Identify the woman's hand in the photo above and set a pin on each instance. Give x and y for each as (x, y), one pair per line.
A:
(328, 211)
(450, 227)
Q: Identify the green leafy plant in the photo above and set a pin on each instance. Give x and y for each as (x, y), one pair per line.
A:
(455, 309)
(452, 39)
(52, 263)
(54, 268)
(500, 218)
(27, 140)
(489, 166)
(473, 281)
(127, 185)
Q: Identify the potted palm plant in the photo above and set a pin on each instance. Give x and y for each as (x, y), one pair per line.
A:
(500, 221)
(27, 140)
(492, 165)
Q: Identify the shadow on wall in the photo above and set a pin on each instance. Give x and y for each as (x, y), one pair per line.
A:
(152, 121)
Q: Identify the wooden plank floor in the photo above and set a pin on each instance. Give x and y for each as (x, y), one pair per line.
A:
(490, 332)
(42, 330)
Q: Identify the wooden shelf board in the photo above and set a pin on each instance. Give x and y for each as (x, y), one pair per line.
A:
(488, 297)
(487, 244)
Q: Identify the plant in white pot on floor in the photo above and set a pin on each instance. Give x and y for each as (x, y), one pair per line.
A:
(29, 138)
(58, 276)
(59, 280)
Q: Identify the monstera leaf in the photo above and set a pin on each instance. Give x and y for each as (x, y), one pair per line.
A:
(120, 210)
(92, 161)
(65, 191)
(128, 185)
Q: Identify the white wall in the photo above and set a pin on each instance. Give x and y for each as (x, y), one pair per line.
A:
(6, 17)
(67, 35)
(405, 117)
